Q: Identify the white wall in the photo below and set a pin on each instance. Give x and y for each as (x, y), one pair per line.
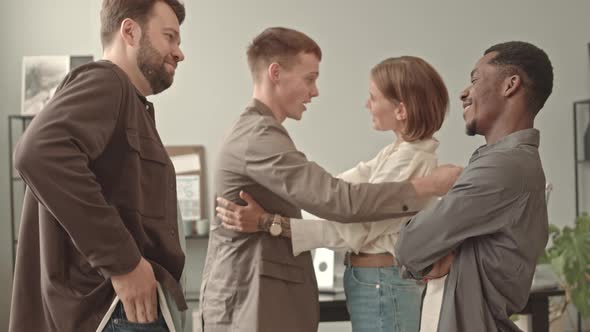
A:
(213, 85)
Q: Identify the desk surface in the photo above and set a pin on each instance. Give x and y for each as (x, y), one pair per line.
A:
(326, 298)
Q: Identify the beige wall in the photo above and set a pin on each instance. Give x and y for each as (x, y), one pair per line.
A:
(213, 85)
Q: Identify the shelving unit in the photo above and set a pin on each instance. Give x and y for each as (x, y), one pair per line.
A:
(582, 161)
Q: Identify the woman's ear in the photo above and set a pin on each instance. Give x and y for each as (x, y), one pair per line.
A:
(400, 112)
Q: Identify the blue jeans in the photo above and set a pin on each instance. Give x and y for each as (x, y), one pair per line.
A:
(378, 299)
(119, 323)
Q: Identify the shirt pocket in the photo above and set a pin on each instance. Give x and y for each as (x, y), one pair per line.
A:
(152, 161)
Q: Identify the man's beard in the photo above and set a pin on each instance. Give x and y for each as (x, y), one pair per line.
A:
(151, 65)
(471, 128)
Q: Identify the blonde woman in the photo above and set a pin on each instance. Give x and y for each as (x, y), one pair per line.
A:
(409, 98)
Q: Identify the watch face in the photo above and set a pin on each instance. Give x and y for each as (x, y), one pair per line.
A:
(275, 229)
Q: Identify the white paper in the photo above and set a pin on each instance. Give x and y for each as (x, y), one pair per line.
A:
(188, 191)
(186, 163)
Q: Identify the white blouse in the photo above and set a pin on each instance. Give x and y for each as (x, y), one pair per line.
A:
(396, 162)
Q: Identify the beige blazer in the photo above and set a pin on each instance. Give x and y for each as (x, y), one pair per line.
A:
(253, 282)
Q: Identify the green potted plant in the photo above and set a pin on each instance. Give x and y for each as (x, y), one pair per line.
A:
(569, 255)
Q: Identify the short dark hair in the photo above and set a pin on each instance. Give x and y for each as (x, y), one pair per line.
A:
(526, 59)
(279, 45)
(114, 12)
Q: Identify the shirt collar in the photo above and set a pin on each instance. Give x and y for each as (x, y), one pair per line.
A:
(141, 97)
(260, 107)
(530, 136)
(427, 145)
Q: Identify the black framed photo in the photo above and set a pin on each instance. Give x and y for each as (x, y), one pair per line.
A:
(41, 75)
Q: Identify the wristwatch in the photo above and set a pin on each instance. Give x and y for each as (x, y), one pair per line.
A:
(275, 228)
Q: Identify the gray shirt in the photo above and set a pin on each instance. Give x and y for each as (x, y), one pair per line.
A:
(495, 217)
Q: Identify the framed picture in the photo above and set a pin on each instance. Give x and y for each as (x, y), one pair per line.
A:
(189, 161)
(41, 75)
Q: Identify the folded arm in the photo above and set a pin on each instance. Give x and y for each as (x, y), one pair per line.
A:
(480, 203)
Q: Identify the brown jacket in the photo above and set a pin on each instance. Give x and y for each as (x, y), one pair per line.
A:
(101, 194)
(252, 282)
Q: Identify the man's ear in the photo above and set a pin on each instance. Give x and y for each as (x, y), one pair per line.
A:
(512, 84)
(400, 112)
(274, 72)
(130, 31)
